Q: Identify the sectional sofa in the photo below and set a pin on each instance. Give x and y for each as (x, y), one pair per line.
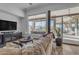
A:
(42, 46)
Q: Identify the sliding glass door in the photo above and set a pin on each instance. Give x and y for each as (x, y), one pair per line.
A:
(66, 26)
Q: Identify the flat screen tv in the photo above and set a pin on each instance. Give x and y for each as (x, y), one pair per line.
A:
(7, 25)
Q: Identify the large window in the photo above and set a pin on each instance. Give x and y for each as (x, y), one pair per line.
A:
(31, 26)
(70, 25)
(44, 26)
(52, 25)
(39, 26)
(66, 25)
(37, 23)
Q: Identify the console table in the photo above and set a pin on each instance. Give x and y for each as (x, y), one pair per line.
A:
(7, 37)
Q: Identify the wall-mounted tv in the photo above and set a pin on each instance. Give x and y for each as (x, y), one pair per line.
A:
(7, 25)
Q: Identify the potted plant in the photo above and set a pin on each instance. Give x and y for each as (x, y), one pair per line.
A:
(59, 37)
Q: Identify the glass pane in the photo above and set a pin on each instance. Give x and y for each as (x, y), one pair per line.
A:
(38, 26)
(31, 26)
(69, 25)
(52, 25)
(37, 23)
(44, 26)
(59, 26)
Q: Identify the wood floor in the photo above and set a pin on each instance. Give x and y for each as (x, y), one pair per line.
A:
(67, 50)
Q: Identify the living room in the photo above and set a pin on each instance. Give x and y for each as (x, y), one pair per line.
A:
(39, 28)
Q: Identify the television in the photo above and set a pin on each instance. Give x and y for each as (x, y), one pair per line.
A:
(7, 25)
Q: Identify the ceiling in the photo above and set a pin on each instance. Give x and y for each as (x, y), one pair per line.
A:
(17, 5)
(17, 8)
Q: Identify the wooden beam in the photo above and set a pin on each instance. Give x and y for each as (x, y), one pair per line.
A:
(49, 21)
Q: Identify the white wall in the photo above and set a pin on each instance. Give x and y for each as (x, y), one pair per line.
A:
(9, 17)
